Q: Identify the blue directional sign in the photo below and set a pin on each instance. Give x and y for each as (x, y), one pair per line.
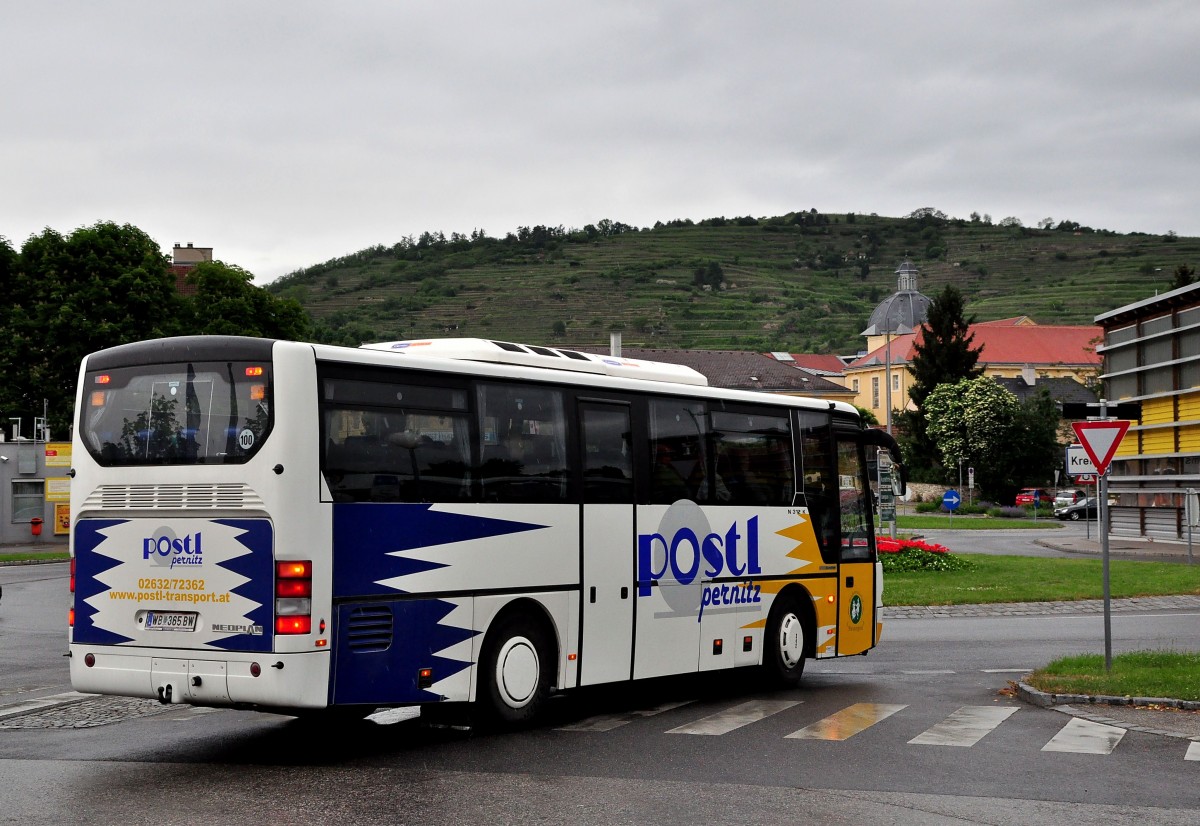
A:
(951, 500)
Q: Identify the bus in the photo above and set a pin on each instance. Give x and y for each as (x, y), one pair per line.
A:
(300, 528)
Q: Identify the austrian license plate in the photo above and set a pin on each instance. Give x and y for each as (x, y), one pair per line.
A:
(170, 620)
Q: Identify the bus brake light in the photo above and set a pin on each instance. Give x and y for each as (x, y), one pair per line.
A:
(293, 625)
(293, 597)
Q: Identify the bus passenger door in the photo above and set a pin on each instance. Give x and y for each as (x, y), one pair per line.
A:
(856, 574)
(608, 543)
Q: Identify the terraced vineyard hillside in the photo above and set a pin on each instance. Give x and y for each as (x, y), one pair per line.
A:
(802, 282)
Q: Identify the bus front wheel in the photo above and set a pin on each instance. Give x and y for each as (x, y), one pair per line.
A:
(517, 664)
(785, 642)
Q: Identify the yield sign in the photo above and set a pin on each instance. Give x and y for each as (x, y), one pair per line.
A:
(1100, 440)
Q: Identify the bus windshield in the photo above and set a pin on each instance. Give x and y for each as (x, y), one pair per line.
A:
(176, 414)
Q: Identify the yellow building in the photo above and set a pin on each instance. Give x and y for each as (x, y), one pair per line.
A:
(1151, 355)
(1010, 348)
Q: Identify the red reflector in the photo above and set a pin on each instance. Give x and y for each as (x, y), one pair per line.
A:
(70, 617)
(293, 588)
(293, 570)
(72, 578)
(255, 669)
(299, 624)
(89, 660)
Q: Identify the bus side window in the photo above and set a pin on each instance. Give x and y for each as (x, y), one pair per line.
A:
(607, 453)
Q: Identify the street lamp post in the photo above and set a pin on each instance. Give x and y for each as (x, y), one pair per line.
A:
(887, 375)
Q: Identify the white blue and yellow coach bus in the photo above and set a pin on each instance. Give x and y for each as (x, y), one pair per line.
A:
(284, 526)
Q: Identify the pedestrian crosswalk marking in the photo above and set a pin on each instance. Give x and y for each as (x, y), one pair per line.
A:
(1085, 737)
(726, 721)
(42, 702)
(608, 722)
(847, 722)
(965, 727)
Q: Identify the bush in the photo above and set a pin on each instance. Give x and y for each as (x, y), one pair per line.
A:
(906, 555)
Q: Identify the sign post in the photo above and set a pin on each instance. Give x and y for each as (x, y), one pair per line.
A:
(951, 501)
(887, 493)
(1100, 438)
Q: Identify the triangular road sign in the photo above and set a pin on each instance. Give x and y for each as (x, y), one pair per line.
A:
(1100, 440)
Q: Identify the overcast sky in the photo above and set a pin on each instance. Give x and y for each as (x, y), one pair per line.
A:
(283, 133)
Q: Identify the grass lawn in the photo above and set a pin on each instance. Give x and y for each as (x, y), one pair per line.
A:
(1035, 579)
(986, 578)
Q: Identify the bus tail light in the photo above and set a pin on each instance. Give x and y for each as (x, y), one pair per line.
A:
(71, 610)
(293, 597)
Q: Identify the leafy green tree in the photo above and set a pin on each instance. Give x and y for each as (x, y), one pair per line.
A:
(970, 423)
(1184, 275)
(105, 285)
(100, 286)
(709, 275)
(1009, 443)
(941, 355)
(226, 302)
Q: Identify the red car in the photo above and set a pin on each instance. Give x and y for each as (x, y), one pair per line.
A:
(1038, 496)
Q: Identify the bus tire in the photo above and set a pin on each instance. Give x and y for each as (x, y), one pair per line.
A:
(517, 667)
(785, 642)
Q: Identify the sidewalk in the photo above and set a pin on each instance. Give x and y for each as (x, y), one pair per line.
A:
(36, 552)
(1127, 547)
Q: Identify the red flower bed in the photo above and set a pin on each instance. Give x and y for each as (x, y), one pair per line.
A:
(886, 545)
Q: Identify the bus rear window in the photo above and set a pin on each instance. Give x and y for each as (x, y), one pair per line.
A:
(176, 414)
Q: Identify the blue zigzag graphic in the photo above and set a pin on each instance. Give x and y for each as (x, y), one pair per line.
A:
(258, 567)
(364, 534)
(88, 569)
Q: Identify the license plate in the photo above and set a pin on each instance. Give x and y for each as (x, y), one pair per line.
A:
(170, 620)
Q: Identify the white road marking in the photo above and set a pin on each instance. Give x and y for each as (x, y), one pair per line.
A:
(608, 722)
(1085, 737)
(726, 721)
(42, 702)
(847, 722)
(965, 727)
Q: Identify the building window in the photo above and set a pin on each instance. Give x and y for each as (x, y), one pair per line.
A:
(28, 499)
(895, 381)
(875, 392)
(854, 385)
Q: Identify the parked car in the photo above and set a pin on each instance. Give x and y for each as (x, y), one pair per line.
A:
(1068, 496)
(1083, 509)
(1031, 496)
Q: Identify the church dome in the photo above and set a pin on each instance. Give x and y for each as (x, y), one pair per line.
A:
(903, 311)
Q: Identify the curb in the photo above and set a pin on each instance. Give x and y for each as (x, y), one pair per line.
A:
(1066, 702)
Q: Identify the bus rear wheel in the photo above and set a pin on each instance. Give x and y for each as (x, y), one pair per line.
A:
(785, 642)
(516, 665)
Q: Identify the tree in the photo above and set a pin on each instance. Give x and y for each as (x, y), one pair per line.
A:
(942, 352)
(100, 286)
(1009, 443)
(104, 285)
(709, 276)
(1184, 275)
(971, 422)
(226, 302)
(941, 355)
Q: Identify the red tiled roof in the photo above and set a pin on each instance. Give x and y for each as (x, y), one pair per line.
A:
(1020, 345)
